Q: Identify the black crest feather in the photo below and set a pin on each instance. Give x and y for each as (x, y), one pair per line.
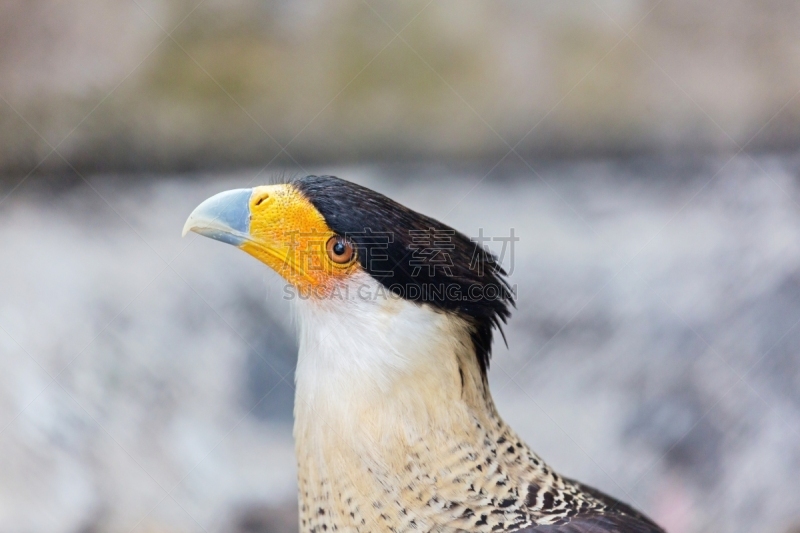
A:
(416, 256)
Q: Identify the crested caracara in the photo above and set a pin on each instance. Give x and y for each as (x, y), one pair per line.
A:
(395, 428)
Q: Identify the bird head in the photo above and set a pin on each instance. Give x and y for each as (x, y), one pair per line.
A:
(333, 240)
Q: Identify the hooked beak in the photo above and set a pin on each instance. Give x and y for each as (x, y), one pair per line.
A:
(224, 217)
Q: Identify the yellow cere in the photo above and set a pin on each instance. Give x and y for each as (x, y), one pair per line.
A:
(289, 235)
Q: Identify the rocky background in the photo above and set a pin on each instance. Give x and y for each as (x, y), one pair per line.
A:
(645, 154)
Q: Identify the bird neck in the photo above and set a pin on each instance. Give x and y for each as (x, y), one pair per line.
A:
(392, 412)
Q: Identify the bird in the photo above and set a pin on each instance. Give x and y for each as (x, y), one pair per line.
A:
(395, 428)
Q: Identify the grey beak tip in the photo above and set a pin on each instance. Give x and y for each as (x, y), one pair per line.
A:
(224, 217)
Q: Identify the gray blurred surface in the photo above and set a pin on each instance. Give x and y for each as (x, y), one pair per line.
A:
(146, 379)
(144, 84)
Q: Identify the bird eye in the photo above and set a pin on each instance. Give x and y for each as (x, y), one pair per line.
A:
(339, 250)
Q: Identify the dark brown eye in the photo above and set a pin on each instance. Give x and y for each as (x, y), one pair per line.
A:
(339, 250)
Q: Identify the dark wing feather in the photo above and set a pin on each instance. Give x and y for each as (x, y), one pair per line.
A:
(598, 523)
(615, 506)
(618, 517)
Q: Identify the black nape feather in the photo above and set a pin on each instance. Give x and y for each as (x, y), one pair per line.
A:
(417, 257)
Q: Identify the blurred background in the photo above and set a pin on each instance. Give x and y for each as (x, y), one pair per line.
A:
(645, 152)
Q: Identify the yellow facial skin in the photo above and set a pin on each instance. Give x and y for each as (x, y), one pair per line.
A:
(285, 232)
